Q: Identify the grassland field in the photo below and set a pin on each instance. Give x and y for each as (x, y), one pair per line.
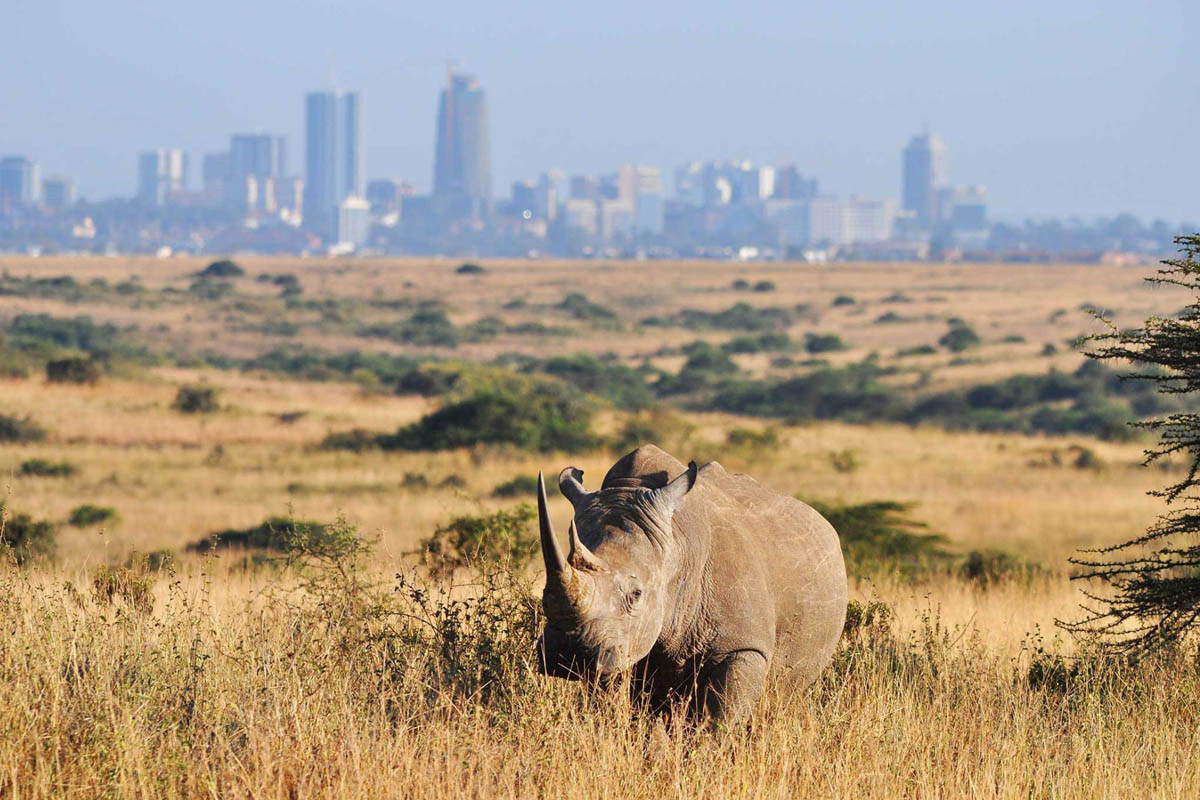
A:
(220, 689)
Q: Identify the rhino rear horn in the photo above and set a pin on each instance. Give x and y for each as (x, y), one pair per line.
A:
(671, 495)
(570, 483)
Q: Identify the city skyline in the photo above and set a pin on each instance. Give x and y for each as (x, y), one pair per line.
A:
(1081, 108)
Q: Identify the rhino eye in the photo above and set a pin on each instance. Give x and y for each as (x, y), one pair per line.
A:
(635, 595)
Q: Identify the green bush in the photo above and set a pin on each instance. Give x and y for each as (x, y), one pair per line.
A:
(823, 343)
(469, 269)
(278, 534)
(880, 536)
(764, 286)
(758, 343)
(738, 317)
(195, 400)
(72, 370)
(26, 539)
(740, 285)
(519, 486)
(605, 377)
(843, 300)
(960, 337)
(581, 308)
(221, 269)
(919, 350)
(40, 467)
(504, 538)
(535, 414)
(20, 429)
(88, 514)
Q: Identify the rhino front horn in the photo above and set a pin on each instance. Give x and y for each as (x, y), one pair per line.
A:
(552, 554)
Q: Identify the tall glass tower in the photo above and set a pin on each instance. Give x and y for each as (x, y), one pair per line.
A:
(923, 173)
(462, 173)
(333, 163)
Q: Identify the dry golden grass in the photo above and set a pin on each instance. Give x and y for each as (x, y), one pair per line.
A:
(225, 689)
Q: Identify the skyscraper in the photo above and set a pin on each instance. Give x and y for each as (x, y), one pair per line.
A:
(256, 161)
(19, 183)
(462, 173)
(333, 157)
(161, 174)
(923, 173)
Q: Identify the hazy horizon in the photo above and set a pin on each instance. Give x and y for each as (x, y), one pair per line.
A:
(1080, 108)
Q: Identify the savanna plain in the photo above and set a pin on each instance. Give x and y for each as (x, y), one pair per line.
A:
(269, 531)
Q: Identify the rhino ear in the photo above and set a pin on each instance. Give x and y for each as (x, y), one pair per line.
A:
(671, 496)
(570, 483)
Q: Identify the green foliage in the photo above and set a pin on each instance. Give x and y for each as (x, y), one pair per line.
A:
(851, 393)
(469, 268)
(25, 538)
(959, 338)
(540, 416)
(604, 377)
(504, 538)
(518, 486)
(843, 300)
(919, 350)
(758, 343)
(1153, 581)
(72, 370)
(764, 286)
(740, 285)
(580, 307)
(738, 317)
(880, 536)
(278, 534)
(749, 439)
(40, 467)
(823, 343)
(221, 269)
(196, 400)
(537, 414)
(20, 429)
(88, 514)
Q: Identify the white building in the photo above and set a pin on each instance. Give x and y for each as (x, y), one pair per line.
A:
(162, 173)
(353, 222)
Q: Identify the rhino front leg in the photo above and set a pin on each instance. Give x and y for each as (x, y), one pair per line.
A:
(731, 687)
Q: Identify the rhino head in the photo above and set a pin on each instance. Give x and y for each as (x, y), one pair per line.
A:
(606, 601)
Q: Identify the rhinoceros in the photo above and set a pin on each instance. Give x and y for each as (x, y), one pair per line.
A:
(698, 581)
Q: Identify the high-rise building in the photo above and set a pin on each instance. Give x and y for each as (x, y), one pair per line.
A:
(462, 173)
(923, 174)
(334, 167)
(256, 161)
(20, 185)
(162, 173)
(642, 187)
(215, 176)
(58, 192)
(386, 195)
(790, 184)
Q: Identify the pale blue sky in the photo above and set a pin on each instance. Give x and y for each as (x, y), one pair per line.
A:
(1058, 107)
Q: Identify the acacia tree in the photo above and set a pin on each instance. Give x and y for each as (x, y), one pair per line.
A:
(1153, 580)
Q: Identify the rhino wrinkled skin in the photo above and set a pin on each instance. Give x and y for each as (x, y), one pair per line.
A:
(699, 581)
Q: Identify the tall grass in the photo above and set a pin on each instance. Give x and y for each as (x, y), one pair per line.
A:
(321, 680)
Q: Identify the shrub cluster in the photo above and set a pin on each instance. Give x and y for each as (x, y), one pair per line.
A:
(25, 538)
